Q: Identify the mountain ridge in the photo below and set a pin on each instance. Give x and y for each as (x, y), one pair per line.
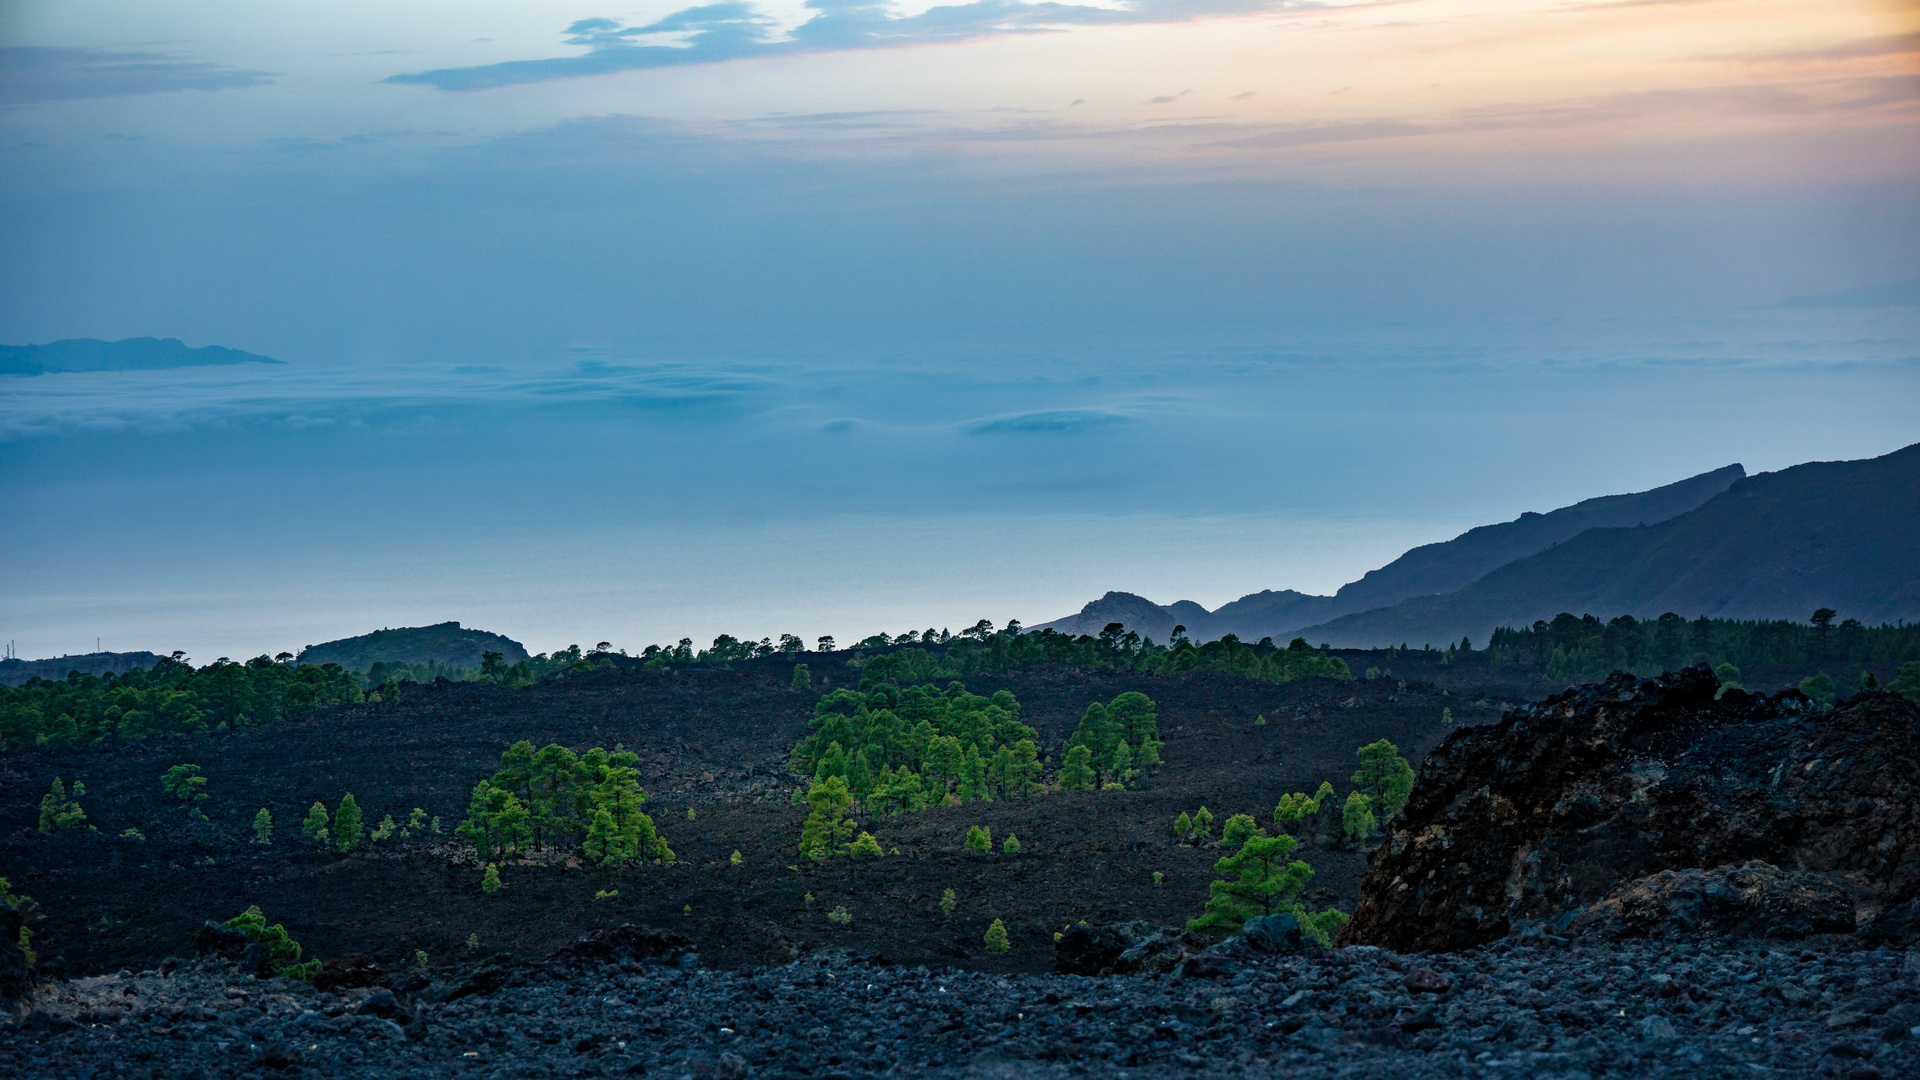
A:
(127, 354)
(1425, 570)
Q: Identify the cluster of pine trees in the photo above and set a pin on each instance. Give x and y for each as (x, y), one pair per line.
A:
(1116, 649)
(1580, 648)
(554, 799)
(906, 749)
(172, 697)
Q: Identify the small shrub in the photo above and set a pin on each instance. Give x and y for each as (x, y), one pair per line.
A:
(606, 894)
(1011, 845)
(690, 814)
(996, 937)
(1183, 826)
(58, 811)
(383, 830)
(1238, 828)
(1446, 717)
(1260, 721)
(346, 824)
(263, 827)
(686, 909)
(840, 917)
(184, 782)
(473, 941)
(1357, 817)
(1158, 877)
(866, 847)
(979, 839)
(416, 822)
(736, 859)
(282, 951)
(21, 903)
(1202, 822)
(436, 825)
(315, 825)
(807, 899)
(802, 677)
(134, 834)
(490, 881)
(948, 902)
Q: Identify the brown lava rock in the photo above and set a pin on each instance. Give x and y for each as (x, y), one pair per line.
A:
(1566, 801)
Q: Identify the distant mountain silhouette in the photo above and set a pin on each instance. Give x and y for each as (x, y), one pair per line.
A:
(133, 354)
(1838, 534)
(15, 672)
(1429, 569)
(442, 643)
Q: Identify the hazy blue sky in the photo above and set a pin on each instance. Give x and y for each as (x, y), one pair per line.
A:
(630, 323)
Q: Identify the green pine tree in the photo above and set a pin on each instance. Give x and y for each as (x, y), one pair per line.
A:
(490, 881)
(996, 937)
(1203, 822)
(948, 901)
(346, 824)
(865, 847)
(1357, 817)
(1256, 880)
(1446, 717)
(185, 783)
(979, 839)
(315, 826)
(1238, 828)
(802, 678)
(827, 829)
(58, 811)
(1121, 764)
(1183, 826)
(263, 827)
(1011, 845)
(1077, 773)
(1385, 777)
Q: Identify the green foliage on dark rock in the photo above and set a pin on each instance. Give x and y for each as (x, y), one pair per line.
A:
(552, 798)
(282, 951)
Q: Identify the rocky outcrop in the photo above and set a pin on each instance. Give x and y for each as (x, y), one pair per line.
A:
(1564, 806)
(16, 976)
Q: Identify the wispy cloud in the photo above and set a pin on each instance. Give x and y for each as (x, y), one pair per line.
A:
(29, 74)
(1046, 421)
(733, 30)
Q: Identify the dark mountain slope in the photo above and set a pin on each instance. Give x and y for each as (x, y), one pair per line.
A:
(1428, 569)
(1442, 568)
(442, 643)
(1839, 534)
(15, 672)
(132, 354)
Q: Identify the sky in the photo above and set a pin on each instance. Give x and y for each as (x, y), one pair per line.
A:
(636, 323)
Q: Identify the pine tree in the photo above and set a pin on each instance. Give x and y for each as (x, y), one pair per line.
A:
(346, 824)
(802, 677)
(496, 823)
(827, 829)
(1385, 777)
(1011, 845)
(1183, 826)
(184, 782)
(1446, 716)
(996, 937)
(58, 811)
(1122, 763)
(973, 777)
(948, 901)
(979, 839)
(490, 881)
(1077, 773)
(263, 827)
(865, 847)
(1256, 880)
(1202, 822)
(315, 826)
(1357, 817)
(1238, 828)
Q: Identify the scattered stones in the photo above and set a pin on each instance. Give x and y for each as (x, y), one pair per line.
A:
(348, 973)
(1425, 980)
(1507, 1009)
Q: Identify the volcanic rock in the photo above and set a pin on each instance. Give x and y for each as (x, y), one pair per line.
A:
(16, 977)
(349, 972)
(1564, 802)
(1753, 899)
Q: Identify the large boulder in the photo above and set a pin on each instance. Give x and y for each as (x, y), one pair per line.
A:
(1537, 818)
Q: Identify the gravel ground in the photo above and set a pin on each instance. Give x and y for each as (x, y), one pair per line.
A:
(1503, 1010)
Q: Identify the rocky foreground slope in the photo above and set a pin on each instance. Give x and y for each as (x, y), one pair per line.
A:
(1643, 1009)
(1640, 878)
(1649, 807)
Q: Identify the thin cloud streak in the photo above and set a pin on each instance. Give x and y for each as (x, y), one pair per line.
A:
(718, 32)
(35, 74)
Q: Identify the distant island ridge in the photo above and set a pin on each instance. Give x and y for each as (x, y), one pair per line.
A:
(130, 354)
(444, 644)
(1778, 545)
